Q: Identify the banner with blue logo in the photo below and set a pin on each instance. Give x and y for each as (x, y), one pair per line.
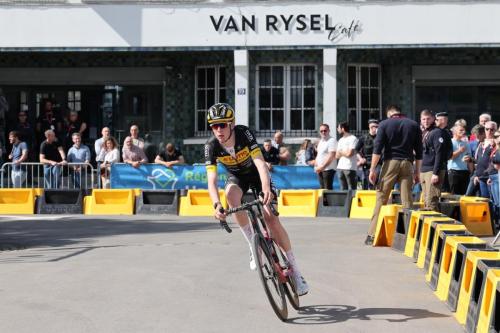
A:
(159, 177)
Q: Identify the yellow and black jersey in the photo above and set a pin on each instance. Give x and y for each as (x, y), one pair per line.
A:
(245, 148)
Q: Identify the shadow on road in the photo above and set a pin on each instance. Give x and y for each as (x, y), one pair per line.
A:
(73, 230)
(330, 314)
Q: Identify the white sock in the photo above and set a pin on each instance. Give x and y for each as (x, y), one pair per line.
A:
(247, 231)
(293, 263)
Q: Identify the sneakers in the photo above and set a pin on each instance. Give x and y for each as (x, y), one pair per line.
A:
(253, 264)
(369, 240)
(301, 286)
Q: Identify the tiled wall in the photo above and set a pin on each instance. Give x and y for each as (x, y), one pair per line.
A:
(396, 67)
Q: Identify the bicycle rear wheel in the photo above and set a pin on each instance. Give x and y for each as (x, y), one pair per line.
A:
(274, 289)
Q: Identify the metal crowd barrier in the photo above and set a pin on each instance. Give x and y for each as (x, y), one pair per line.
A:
(39, 175)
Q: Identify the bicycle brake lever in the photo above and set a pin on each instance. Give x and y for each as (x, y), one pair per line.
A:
(223, 223)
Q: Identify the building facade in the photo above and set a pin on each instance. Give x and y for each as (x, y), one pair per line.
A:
(284, 65)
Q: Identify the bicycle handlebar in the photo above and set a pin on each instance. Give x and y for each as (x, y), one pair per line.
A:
(244, 206)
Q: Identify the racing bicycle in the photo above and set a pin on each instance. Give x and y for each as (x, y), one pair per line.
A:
(273, 267)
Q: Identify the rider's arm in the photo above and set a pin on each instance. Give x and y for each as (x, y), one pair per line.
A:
(213, 191)
(265, 178)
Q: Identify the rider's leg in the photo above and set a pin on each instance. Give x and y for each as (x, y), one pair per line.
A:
(233, 196)
(281, 236)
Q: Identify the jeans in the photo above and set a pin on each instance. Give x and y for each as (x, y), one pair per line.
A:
(348, 179)
(326, 179)
(366, 182)
(458, 181)
(18, 178)
(495, 195)
(51, 176)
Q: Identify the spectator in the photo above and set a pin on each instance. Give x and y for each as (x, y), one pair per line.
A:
(347, 159)
(400, 139)
(325, 162)
(53, 157)
(278, 143)
(78, 154)
(100, 143)
(132, 154)
(462, 123)
(437, 151)
(483, 158)
(364, 147)
(480, 136)
(493, 179)
(150, 149)
(25, 130)
(305, 155)
(483, 119)
(134, 135)
(108, 155)
(271, 154)
(170, 156)
(18, 155)
(48, 120)
(73, 125)
(459, 164)
(477, 135)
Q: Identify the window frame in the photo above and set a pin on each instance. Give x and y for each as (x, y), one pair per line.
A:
(217, 88)
(287, 95)
(359, 126)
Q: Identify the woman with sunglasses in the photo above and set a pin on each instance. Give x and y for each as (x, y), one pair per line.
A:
(236, 148)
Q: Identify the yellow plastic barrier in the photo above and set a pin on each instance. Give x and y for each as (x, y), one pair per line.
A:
(363, 204)
(425, 238)
(386, 225)
(17, 201)
(468, 276)
(435, 248)
(414, 228)
(38, 191)
(109, 202)
(475, 214)
(198, 203)
(489, 302)
(448, 262)
(300, 203)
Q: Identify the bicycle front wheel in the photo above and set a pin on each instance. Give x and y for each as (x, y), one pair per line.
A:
(269, 277)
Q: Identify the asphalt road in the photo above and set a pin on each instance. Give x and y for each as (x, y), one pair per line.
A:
(173, 274)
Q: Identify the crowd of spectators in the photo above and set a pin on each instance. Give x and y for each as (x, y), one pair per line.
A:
(57, 143)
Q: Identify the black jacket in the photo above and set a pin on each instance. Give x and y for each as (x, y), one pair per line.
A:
(399, 138)
(437, 150)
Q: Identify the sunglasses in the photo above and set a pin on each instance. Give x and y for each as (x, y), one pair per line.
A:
(323, 131)
(489, 129)
(217, 126)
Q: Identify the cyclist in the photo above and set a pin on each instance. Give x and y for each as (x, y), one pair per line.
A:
(235, 146)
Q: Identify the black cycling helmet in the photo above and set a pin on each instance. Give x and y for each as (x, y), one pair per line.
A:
(220, 113)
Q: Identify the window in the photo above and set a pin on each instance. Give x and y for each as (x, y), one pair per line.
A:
(23, 98)
(211, 88)
(363, 95)
(75, 100)
(286, 97)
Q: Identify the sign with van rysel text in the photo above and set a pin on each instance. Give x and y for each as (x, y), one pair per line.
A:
(287, 23)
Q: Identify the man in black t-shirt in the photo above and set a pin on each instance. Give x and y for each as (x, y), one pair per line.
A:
(169, 156)
(271, 154)
(53, 157)
(48, 120)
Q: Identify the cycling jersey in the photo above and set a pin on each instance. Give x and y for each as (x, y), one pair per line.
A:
(245, 148)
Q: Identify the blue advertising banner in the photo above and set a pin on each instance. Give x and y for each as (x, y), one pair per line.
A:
(156, 176)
